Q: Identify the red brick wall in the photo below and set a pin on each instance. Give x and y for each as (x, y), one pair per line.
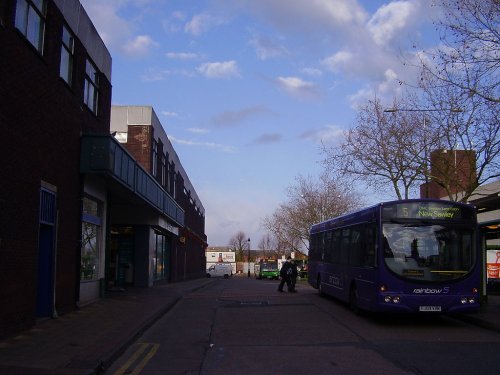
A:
(139, 142)
(41, 120)
(455, 169)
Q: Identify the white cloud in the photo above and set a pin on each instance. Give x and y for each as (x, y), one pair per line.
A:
(310, 15)
(155, 74)
(198, 130)
(329, 134)
(385, 90)
(139, 46)
(112, 28)
(181, 55)
(201, 23)
(390, 19)
(224, 70)
(170, 114)
(266, 49)
(209, 145)
(338, 61)
(298, 87)
(313, 72)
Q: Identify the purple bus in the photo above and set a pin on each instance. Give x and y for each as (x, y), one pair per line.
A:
(401, 256)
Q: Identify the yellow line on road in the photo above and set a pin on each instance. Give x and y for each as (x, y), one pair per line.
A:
(137, 354)
(146, 359)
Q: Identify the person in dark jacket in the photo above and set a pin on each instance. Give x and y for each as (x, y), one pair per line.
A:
(285, 274)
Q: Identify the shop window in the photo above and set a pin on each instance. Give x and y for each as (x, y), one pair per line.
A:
(160, 270)
(30, 21)
(67, 51)
(91, 239)
(91, 93)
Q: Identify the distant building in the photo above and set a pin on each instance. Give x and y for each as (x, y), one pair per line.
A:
(172, 224)
(220, 255)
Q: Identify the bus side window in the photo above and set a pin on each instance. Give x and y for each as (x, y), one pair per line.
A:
(328, 246)
(345, 246)
(356, 246)
(369, 246)
(336, 246)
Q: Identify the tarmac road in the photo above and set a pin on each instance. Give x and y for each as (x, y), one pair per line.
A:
(244, 326)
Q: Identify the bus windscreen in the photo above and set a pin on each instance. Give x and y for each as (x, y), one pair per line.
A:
(428, 252)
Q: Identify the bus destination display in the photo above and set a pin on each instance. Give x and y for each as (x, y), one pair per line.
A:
(425, 210)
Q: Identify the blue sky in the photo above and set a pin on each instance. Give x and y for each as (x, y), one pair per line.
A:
(249, 90)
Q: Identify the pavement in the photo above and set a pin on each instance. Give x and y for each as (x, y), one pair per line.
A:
(88, 340)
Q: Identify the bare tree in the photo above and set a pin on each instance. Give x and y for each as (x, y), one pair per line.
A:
(471, 130)
(239, 243)
(386, 151)
(309, 201)
(469, 57)
(267, 245)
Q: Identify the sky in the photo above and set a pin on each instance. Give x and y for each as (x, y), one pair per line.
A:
(250, 91)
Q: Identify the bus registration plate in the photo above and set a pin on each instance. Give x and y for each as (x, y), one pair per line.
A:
(429, 308)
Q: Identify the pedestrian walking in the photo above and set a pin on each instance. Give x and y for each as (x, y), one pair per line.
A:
(285, 274)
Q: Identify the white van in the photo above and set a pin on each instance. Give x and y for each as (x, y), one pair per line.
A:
(220, 270)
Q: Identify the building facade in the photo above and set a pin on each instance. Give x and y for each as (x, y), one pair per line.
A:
(81, 212)
(55, 75)
(216, 255)
(177, 245)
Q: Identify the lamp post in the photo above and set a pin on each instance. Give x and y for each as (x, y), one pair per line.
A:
(249, 257)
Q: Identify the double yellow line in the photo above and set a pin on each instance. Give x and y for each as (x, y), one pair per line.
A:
(139, 359)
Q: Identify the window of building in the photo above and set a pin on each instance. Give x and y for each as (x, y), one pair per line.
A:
(160, 260)
(164, 170)
(91, 239)
(30, 21)
(154, 165)
(67, 51)
(91, 93)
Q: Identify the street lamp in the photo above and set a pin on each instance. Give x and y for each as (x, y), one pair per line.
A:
(249, 257)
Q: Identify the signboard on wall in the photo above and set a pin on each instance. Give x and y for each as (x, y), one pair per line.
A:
(221, 256)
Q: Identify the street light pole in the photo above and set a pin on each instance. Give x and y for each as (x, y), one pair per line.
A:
(249, 257)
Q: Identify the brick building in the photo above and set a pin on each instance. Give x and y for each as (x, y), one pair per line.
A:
(55, 75)
(80, 212)
(452, 172)
(175, 232)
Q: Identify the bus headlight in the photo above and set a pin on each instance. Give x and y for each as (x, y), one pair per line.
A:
(472, 300)
(463, 300)
(388, 299)
(396, 299)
